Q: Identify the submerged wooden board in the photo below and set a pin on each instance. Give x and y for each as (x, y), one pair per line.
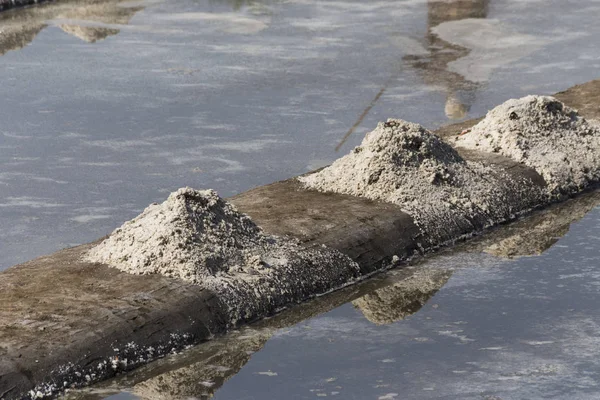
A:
(58, 309)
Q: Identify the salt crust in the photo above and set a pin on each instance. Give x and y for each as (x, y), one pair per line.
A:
(197, 236)
(403, 163)
(545, 134)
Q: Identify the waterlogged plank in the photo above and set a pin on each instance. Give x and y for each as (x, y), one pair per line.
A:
(371, 233)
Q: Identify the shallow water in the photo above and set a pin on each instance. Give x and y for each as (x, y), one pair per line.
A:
(110, 106)
(520, 330)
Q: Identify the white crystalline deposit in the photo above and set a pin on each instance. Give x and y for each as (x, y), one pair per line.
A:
(197, 236)
(403, 163)
(544, 134)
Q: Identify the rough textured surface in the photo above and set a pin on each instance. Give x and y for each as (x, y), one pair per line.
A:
(404, 164)
(62, 320)
(200, 238)
(545, 134)
(370, 232)
(194, 234)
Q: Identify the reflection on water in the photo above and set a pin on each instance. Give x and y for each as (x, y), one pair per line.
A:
(536, 234)
(244, 105)
(201, 371)
(384, 300)
(202, 378)
(213, 363)
(19, 27)
(395, 302)
(433, 66)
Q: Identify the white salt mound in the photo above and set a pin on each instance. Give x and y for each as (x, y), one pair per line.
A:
(544, 134)
(405, 164)
(197, 236)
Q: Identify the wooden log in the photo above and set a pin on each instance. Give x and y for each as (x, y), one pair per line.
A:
(61, 319)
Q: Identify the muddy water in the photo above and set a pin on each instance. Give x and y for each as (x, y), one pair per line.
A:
(108, 106)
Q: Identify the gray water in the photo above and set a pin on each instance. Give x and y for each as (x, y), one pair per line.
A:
(109, 106)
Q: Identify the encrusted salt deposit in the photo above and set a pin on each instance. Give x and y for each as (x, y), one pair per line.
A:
(195, 235)
(544, 134)
(403, 163)
(199, 237)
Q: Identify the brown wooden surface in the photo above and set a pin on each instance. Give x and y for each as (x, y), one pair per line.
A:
(56, 309)
(369, 232)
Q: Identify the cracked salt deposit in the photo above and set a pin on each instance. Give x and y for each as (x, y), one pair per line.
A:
(545, 134)
(405, 164)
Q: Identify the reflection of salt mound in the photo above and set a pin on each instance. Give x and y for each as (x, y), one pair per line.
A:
(195, 235)
(17, 37)
(538, 233)
(527, 243)
(454, 108)
(403, 163)
(396, 302)
(544, 134)
(222, 359)
(89, 34)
